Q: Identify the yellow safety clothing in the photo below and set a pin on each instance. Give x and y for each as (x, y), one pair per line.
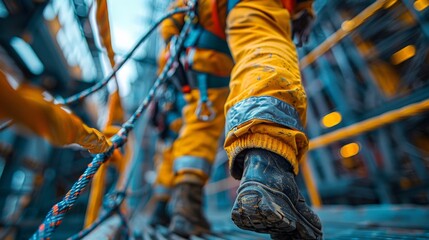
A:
(172, 26)
(173, 120)
(195, 148)
(35, 109)
(213, 62)
(165, 175)
(267, 105)
(203, 60)
(176, 125)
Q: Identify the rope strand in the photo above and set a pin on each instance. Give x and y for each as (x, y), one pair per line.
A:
(54, 218)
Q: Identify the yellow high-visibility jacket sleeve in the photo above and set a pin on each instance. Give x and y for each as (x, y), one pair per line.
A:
(30, 107)
(173, 25)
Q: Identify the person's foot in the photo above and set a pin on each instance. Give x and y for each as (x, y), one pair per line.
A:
(268, 199)
(187, 211)
(160, 215)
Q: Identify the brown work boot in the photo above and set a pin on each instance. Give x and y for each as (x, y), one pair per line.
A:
(160, 215)
(187, 211)
(269, 201)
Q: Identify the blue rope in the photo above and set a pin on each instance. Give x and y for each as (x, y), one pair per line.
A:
(54, 217)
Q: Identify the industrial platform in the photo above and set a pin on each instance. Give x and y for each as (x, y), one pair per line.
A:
(339, 223)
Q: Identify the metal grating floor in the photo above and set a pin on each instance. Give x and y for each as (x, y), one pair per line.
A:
(380, 222)
(375, 222)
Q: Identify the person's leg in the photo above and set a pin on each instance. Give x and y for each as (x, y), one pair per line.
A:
(162, 189)
(168, 133)
(194, 152)
(266, 112)
(195, 148)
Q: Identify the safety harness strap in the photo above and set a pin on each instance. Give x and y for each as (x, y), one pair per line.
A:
(218, 30)
(210, 81)
(231, 5)
(289, 5)
(179, 78)
(203, 82)
(201, 38)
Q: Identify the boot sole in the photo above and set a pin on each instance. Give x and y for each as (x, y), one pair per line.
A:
(261, 209)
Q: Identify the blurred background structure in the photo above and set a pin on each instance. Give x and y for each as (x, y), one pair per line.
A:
(377, 63)
(366, 73)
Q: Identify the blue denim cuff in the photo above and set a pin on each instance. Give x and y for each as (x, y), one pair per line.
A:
(264, 108)
(192, 163)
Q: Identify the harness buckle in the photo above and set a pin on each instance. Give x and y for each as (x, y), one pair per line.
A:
(205, 111)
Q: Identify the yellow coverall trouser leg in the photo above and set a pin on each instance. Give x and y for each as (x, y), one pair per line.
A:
(195, 148)
(165, 175)
(267, 105)
(164, 172)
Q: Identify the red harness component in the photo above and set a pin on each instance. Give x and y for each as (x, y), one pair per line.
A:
(289, 5)
(218, 31)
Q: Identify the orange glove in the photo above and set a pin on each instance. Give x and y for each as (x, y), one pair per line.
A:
(35, 110)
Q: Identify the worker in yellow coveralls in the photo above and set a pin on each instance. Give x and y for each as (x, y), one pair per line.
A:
(207, 64)
(34, 109)
(167, 118)
(265, 116)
